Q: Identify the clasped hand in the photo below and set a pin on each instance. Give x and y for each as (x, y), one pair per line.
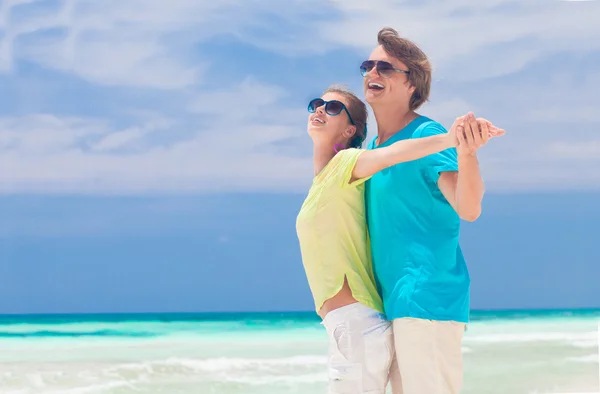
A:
(470, 133)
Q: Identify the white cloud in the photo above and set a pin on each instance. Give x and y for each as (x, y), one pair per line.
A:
(110, 60)
(74, 155)
(132, 43)
(250, 99)
(121, 139)
(553, 103)
(466, 39)
(239, 138)
(44, 134)
(583, 151)
(5, 54)
(550, 173)
(143, 42)
(46, 153)
(447, 111)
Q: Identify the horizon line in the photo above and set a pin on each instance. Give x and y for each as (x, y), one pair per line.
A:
(475, 310)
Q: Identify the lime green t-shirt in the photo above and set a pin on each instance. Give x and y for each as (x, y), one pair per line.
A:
(332, 231)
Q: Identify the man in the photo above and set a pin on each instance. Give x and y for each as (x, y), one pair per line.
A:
(413, 212)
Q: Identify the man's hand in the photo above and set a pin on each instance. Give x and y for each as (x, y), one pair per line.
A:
(470, 133)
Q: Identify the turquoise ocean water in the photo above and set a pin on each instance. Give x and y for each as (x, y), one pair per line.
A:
(267, 353)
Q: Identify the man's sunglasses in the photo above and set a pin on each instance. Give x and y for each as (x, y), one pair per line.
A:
(383, 68)
(333, 107)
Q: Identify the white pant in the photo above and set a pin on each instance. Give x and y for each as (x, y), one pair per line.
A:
(361, 351)
(429, 356)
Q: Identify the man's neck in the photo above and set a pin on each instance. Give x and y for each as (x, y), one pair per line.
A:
(321, 156)
(391, 120)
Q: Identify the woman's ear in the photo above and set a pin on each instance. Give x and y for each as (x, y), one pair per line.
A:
(349, 131)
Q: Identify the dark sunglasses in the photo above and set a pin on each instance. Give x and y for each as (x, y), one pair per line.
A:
(333, 107)
(383, 68)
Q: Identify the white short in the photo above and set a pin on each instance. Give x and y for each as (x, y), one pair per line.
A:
(361, 350)
(429, 355)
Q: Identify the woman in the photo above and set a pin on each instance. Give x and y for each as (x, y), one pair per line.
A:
(332, 232)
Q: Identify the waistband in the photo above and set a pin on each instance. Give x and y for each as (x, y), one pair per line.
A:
(350, 312)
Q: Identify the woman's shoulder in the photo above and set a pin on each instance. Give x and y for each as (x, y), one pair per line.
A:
(350, 152)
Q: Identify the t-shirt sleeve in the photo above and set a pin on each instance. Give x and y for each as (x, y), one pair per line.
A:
(446, 160)
(348, 159)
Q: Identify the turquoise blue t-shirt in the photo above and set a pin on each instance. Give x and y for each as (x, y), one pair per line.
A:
(414, 231)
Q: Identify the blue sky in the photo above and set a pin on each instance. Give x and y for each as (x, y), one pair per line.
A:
(153, 154)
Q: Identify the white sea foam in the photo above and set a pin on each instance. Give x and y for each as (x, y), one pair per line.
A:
(132, 377)
(285, 379)
(590, 358)
(226, 364)
(104, 387)
(236, 358)
(577, 339)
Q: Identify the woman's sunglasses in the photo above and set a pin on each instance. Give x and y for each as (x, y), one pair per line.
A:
(383, 68)
(333, 107)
